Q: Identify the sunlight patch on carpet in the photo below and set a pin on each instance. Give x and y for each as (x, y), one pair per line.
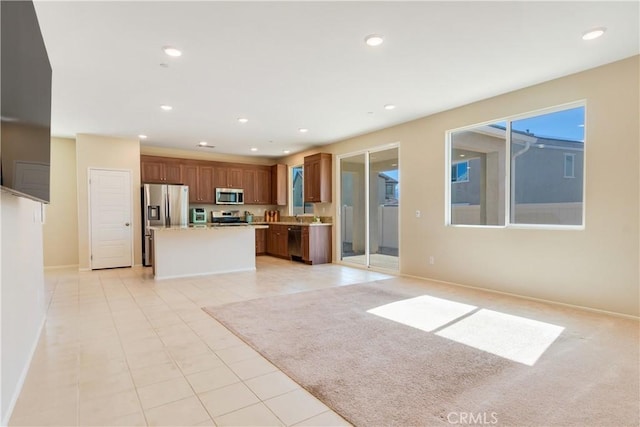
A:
(424, 312)
(512, 337)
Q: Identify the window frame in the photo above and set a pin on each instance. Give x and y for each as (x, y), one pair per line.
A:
(507, 176)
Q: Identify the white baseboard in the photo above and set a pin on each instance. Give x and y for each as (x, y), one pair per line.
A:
(563, 304)
(60, 267)
(23, 375)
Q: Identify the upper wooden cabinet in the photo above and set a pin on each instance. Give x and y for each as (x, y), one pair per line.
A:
(161, 170)
(203, 177)
(279, 185)
(199, 178)
(228, 177)
(257, 185)
(317, 178)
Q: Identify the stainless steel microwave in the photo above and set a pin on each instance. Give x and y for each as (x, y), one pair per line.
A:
(229, 196)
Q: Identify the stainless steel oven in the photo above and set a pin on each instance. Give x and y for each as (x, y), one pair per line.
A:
(229, 196)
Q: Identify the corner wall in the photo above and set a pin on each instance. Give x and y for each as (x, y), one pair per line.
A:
(61, 219)
(94, 151)
(22, 293)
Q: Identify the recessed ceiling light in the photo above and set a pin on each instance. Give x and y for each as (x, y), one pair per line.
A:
(374, 40)
(243, 120)
(203, 143)
(461, 155)
(593, 33)
(166, 107)
(254, 149)
(303, 130)
(172, 51)
(286, 151)
(394, 164)
(142, 136)
(389, 107)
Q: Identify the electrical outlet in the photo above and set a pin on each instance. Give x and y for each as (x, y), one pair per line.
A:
(432, 260)
(418, 213)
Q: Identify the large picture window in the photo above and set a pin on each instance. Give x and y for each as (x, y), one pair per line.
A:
(530, 185)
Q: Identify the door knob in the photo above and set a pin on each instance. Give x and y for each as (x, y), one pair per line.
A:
(126, 223)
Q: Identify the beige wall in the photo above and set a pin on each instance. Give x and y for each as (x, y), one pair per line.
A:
(60, 232)
(597, 267)
(93, 151)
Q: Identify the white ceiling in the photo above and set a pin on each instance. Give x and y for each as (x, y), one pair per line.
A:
(289, 65)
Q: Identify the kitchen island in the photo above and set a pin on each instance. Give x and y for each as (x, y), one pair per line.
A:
(198, 250)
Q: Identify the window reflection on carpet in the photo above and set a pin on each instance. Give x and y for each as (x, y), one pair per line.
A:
(425, 312)
(515, 338)
(512, 337)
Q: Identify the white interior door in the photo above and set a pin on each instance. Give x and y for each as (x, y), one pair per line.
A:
(110, 216)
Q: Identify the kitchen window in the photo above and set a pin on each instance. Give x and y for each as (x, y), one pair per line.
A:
(298, 206)
(507, 173)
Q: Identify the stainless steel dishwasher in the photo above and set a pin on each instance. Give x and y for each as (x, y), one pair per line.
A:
(295, 241)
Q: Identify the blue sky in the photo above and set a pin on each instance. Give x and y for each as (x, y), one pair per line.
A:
(562, 124)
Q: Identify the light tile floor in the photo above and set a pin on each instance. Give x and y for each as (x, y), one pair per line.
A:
(120, 349)
(387, 262)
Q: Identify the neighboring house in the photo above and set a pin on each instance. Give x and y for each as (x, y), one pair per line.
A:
(546, 173)
(389, 190)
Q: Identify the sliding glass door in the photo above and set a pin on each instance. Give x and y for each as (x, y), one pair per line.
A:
(369, 204)
(353, 228)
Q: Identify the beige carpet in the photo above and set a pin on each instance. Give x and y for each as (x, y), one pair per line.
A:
(374, 371)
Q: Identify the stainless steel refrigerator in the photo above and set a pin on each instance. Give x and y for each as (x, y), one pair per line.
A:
(162, 205)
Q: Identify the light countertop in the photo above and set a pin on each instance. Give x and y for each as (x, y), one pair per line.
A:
(208, 226)
(304, 224)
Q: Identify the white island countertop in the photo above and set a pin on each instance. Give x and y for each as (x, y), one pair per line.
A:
(208, 226)
(203, 249)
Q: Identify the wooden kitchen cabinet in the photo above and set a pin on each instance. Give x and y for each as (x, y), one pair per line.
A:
(162, 170)
(199, 178)
(279, 185)
(278, 240)
(228, 177)
(203, 177)
(316, 244)
(261, 241)
(257, 186)
(317, 178)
